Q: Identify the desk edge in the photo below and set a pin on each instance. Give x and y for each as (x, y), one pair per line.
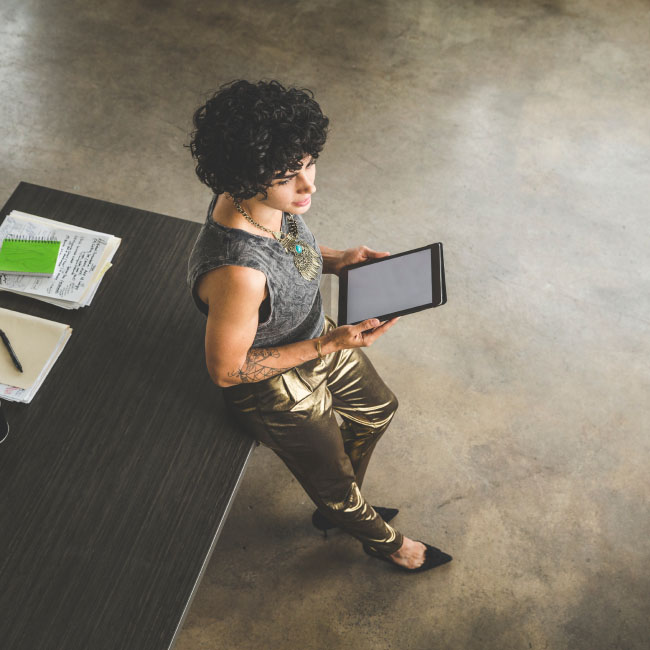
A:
(204, 566)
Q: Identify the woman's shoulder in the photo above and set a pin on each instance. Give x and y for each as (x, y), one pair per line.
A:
(217, 240)
(215, 249)
(239, 280)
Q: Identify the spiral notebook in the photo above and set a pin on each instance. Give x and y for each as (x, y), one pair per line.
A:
(35, 257)
(84, 256)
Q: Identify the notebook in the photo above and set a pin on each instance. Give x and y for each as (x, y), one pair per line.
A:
(84, 257)
(36, 257)
(37, 343)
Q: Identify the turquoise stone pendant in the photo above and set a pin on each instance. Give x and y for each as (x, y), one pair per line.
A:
(305, 258)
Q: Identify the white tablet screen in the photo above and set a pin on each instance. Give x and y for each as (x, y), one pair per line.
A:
(386, 287)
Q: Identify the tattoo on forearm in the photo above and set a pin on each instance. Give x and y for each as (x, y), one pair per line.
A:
(254, 369)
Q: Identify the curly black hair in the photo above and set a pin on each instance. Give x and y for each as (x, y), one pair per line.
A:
(248, 134)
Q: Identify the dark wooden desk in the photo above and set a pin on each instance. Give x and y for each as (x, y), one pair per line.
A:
(116, 480)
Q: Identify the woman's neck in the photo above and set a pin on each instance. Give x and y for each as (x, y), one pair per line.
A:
(225, 212)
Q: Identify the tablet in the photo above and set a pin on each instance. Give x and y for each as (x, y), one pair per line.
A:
(392, 286)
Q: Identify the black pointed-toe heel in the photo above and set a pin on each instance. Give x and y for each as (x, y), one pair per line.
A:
(433, 557)
(320, 521)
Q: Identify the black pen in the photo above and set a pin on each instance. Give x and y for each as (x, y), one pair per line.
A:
(14, 358)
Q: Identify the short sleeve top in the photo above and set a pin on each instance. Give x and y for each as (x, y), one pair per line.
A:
(296, 308)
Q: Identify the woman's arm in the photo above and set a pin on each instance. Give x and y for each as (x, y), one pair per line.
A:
(334, 261)
(234, 295)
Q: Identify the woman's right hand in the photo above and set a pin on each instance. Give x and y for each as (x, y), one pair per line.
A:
(355, 336)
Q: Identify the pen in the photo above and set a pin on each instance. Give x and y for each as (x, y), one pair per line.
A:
(14, 358)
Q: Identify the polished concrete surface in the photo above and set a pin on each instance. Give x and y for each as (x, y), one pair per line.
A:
(517, 133)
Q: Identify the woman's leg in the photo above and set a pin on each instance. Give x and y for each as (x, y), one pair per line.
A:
(365, 403)
(292, 414)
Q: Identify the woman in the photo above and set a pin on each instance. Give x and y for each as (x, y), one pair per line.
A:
(254, 272)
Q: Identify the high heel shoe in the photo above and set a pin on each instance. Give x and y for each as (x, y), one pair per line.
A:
(320, 521)
(433, 557)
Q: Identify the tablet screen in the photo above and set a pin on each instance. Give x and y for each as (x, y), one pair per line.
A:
(399, 284)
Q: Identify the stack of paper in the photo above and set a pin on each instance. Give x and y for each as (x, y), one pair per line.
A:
(84, 257)
(37, 344)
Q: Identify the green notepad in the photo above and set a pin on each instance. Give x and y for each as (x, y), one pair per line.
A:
(29, 256)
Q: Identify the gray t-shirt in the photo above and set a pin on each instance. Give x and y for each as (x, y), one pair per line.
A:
(295, 305)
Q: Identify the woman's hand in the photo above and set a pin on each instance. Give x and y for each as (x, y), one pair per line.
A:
(355, 336)
(356, 255)
(335, 260)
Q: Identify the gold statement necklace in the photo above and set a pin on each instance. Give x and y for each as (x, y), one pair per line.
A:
(305, 258)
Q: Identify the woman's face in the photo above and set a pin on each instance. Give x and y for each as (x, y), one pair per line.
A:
(292, 193)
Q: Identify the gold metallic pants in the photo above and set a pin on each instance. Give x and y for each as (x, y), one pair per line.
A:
(293, 414)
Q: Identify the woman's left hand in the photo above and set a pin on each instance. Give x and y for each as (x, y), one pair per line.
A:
(356, 255)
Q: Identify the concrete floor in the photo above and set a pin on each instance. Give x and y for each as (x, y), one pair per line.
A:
(517, 133)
